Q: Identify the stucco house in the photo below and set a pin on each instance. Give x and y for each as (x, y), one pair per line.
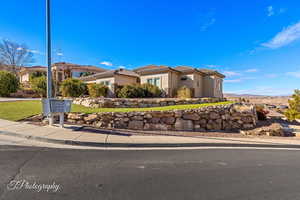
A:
(25, 73)
(60, 71)
(63, 70)
(111, 78)
(203, 82)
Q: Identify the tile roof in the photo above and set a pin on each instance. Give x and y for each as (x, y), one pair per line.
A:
(110, 73)
(65, 65)
(153, 69)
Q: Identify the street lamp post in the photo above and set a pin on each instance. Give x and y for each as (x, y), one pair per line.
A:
(52, 106)
(48, 44)
(48, 36)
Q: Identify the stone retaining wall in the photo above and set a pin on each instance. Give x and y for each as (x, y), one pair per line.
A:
(140, 103)
(225, 117)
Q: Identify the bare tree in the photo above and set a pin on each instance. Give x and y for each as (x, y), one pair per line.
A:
(14, 54)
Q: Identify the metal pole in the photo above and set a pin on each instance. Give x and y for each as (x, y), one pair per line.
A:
(48, 44)
(48, 35)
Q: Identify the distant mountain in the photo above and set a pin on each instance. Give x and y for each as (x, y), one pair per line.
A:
(232, 95)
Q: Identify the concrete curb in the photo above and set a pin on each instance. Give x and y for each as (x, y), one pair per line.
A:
(146, 145)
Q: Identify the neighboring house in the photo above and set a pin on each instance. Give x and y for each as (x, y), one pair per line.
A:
(63, 70)
(113, 77)
(10, 68)
(25, 73)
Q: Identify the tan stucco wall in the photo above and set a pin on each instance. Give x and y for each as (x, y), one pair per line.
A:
(198, 85)
(125, 80)
(213, 86)
(174, 79)
(24, 78)
(218, 87)
(117, 79)
(164, 80)
(208, 86)
(194, 81)
(111, 81)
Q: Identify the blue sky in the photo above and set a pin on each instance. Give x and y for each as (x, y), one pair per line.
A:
(255, 43)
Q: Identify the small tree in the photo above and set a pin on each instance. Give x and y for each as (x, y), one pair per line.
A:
(184, 92)
(14, 54)
(9, 83)
(97, 90)
(131, 91)
(73, 88)
(37, 74)
(151, 90)
(293, 112)
(39, 85)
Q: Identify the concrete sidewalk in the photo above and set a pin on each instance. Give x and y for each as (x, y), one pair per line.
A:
(74, 136)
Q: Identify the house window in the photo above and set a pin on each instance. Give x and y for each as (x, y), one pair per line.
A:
(154, 81)
(184, 78)
(157, 82)
(150, 81)
(107, 83)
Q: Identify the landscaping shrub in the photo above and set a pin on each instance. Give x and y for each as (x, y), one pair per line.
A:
(138, 91)
(261, 112)
(184, 92)
(37, 74)
(293, 112)
(117, 88)
(25, 93)
(150, 90)
(97, 90)
(73, 88)
(131, 91)
(9, 83)
(39, 85)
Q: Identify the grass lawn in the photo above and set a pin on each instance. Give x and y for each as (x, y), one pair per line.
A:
(19, 110)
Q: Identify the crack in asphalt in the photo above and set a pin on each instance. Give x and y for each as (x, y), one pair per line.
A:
(18, 172)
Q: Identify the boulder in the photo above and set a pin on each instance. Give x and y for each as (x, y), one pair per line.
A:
(137, 118)
(75, 116)
(91, 118)
(191, 116)
(214, 115)
(136, 125)
(168, 120)
(184, 125)
(274, 129)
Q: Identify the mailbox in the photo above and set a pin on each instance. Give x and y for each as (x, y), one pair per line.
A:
(56, 106)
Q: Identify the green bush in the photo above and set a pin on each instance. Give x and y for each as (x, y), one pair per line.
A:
(184, 92)
(293, 112)
(151, 90)
(97, 90)
(130, 91)
(73, 88)
(9, 83)
(37, 74)
(138, 91)
(39, 85)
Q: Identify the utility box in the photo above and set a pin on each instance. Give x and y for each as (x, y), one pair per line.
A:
(53, 107)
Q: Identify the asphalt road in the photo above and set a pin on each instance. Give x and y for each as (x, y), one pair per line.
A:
(150, 174)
